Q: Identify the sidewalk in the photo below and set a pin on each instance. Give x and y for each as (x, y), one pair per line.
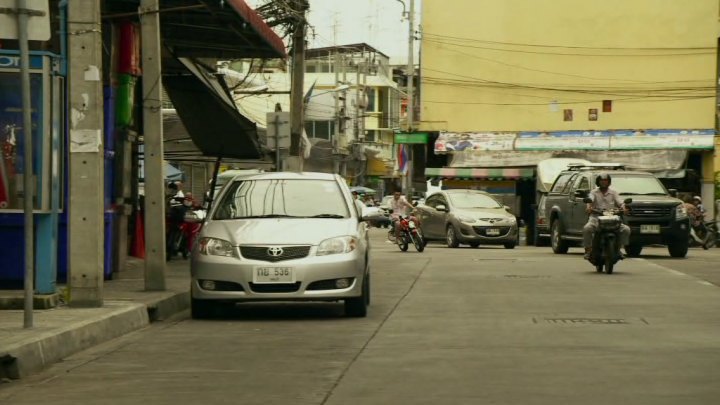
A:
(62, 331)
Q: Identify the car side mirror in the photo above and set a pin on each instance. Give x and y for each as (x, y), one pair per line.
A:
(587, 200)
(628, 201)
(581, 193)
(442, 208)
(506, 208)
(673, 192)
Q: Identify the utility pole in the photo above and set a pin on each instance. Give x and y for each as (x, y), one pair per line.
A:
(153, 152)
(297, 85)
(410, 90)
(338, 118)
(86, 205)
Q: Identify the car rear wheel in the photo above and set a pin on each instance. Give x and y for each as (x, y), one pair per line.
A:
(451, 237)
(558, 245)
(474, 244)
(510, 245)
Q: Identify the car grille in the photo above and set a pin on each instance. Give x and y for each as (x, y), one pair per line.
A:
(650, 211)
(264, 253)
(275, 288)
(481, 230)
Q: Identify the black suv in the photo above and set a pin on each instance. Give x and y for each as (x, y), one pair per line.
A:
(656, 216)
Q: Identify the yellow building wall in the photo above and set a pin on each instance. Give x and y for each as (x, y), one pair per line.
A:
(515, 65)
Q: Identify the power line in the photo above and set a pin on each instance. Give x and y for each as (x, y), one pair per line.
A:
(465, 39)
(433, 41)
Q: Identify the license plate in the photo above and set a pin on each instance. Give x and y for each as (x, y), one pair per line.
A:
(492, 232)
(649, 228)
(273, 275)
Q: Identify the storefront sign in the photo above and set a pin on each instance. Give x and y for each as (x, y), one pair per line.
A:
(411, 137)
(449, 142)
(659, 139)
(574, 140)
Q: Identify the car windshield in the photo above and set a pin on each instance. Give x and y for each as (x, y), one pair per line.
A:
(473, 200)
(282, 198)
(640, 185)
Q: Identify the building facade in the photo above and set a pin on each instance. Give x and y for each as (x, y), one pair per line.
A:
(521, 81)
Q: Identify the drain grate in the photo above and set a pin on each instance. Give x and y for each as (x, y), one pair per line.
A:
(589, 321)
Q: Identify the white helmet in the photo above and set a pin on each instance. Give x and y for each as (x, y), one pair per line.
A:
(698, 198)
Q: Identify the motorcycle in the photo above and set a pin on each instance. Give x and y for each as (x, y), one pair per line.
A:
(705, 234)
(409, 233)
(605, 250)
(183, 225)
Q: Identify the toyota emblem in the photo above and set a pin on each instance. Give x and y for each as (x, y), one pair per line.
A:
(275, 251)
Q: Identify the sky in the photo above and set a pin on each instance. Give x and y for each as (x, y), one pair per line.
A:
(378, 23)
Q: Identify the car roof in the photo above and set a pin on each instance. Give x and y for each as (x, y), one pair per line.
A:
(288, 176)
(612, 173)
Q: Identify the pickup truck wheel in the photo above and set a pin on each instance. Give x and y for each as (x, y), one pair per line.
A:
(633, 250)
(678, 248)
(451, 238)
(558, 245)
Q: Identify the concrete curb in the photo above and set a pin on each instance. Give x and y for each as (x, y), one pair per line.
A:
(29, 357)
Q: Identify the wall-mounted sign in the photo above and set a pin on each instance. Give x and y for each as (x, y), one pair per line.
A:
(411, 137)
(575, 140)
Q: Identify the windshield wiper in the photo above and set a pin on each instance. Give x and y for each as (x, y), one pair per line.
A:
(327, 216)
(643, 194)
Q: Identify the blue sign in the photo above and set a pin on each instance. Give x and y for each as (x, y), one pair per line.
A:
(13, 61)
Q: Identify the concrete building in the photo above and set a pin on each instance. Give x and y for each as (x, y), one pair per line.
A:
(518, 81)
(352, 108)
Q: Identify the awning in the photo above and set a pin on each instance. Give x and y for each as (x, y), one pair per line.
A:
(208, 112)
(223, 29)
(515, 173)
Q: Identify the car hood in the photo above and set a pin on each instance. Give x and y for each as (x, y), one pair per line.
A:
(496, 213)
(654, 199)
(280, 231)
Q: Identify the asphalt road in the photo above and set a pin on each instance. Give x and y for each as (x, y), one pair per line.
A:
(447, 326)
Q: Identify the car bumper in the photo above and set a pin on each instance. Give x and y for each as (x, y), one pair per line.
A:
(481, 234)
(313, 278)
(677, 229)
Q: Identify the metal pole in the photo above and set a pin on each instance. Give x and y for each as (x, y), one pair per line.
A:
(276, 122)
(411, 104)
(297, 84)
(28, 189)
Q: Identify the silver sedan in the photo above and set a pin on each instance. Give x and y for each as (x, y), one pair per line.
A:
(469, 217)
(282, 237)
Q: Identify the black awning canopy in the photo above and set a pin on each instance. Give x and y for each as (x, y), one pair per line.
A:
(221, 29)
(208, 112)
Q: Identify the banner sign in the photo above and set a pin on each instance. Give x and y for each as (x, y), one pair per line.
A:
(576, 140)
(474, 142)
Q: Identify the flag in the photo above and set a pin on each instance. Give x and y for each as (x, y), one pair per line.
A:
(402, 158)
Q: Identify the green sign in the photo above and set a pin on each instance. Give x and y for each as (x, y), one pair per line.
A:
(411, 137)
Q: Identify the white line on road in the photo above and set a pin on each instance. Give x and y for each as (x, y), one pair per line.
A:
(669, 270)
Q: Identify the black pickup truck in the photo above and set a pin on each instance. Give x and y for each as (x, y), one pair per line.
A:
(656, 217)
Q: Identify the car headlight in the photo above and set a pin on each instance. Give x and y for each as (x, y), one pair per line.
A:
(215, 247)
(680, 212)
(465, 218)
(342, 244)
(512, 220)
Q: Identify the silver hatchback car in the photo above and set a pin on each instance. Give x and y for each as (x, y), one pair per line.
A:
(282, 237)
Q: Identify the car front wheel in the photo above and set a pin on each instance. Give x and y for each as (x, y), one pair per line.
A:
(451, 237)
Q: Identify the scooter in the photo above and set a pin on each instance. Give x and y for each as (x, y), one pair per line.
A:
(704, 235)
(409, 233)
(605, 251)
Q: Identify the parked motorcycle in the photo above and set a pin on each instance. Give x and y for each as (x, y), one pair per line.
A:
(183, 226)
(605, 250)
(409, 233)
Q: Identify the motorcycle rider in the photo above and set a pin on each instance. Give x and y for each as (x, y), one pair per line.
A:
(399, 206)
(603, 198)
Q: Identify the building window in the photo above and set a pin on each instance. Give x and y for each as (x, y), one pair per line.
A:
(320, 129)
(371, 136)
(370, 99)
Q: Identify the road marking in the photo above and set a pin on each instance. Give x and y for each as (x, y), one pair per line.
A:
(669, 270)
